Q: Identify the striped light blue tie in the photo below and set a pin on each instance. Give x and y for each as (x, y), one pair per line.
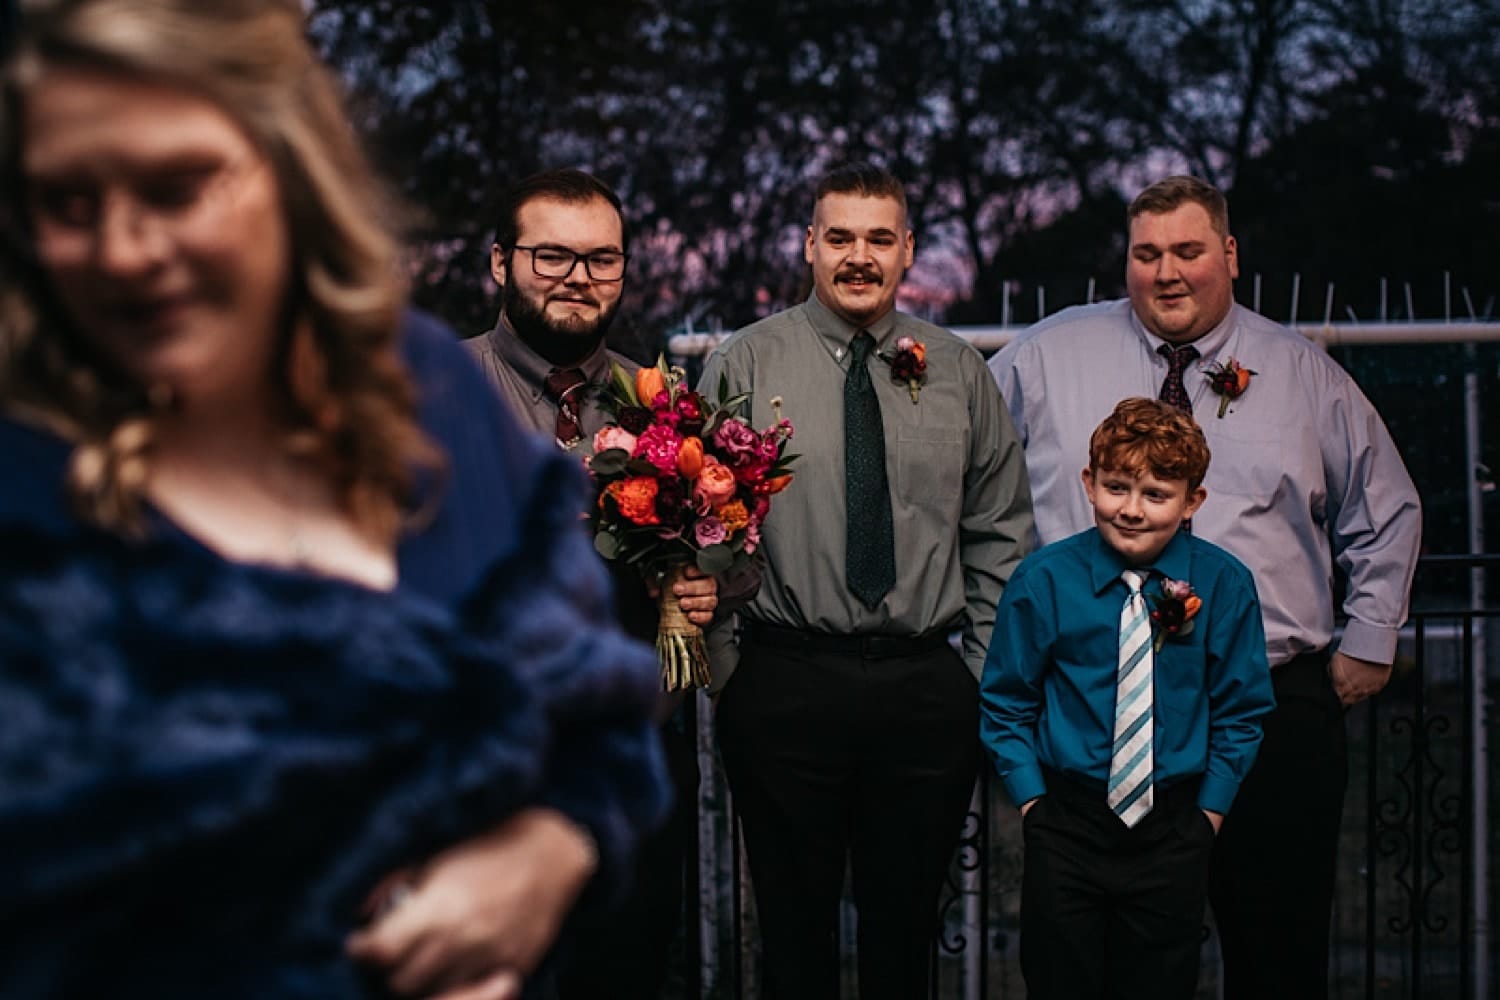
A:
(1131, 761)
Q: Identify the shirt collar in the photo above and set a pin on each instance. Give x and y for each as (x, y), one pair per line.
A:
(1106, 565)
(836, 333)
(1209, 346)
(533, 368)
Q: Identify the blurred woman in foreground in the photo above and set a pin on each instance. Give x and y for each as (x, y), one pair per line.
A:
(287, 605)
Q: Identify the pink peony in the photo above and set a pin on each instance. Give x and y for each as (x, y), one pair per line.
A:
(715, 485)
(659, 446)
(614, 437)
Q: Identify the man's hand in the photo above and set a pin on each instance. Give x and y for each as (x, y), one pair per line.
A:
(481, 914)
(1355, 680)
(698, 595)
(1215, 820)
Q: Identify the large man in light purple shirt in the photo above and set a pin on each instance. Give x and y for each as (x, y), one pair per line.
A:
(1305, 482)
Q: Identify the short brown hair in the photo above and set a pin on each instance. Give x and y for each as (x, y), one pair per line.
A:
(567, 185)
(863, 179)
(1146, 436)
(1171, 193)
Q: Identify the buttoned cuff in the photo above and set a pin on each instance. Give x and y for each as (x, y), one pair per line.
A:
(1374, 643)
(1024, 784)
(1217, 794)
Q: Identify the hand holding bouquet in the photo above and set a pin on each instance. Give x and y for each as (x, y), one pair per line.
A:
(681, 480)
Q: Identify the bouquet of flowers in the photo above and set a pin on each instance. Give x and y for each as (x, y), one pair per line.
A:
(681, 480)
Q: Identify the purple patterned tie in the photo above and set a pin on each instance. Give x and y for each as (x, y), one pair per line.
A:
(1172, 389)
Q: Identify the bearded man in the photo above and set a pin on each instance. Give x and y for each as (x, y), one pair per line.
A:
(559, 257)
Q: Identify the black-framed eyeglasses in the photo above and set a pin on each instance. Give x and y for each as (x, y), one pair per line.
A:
(558, 262)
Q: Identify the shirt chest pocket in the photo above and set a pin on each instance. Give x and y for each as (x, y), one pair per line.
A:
(930, 465)
(1251, 462)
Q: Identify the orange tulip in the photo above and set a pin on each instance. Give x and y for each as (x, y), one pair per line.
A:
(690, 458)
(1242, 378)
(1190, 606)
(774, 485)
(648, 383)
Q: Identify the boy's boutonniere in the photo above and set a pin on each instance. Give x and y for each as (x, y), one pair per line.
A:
(908, 364)
(1229, 379)
(1172, 610)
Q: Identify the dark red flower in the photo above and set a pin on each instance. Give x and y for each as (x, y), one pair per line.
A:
(635, 419)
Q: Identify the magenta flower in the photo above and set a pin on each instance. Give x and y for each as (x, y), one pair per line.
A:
(659, 445)
(738, 442)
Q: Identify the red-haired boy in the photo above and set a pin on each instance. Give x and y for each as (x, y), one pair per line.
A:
(1121, 703)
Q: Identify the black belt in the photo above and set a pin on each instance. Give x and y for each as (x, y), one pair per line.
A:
(870, 645)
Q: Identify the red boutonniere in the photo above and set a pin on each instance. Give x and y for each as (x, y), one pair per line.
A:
(1173, 609)
(908, 364)
(1229, 379)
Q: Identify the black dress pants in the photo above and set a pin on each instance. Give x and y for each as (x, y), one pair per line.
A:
(1271, 885)
(857, 758)
(1109, 911)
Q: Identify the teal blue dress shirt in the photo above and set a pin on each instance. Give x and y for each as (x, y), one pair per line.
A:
(1048, 688)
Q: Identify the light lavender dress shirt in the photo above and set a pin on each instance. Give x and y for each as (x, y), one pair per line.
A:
(1304, 474)
(959, 500)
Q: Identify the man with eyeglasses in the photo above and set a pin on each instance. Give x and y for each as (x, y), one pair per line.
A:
(559, 257)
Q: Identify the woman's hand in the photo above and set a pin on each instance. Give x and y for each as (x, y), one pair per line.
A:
(480, 915)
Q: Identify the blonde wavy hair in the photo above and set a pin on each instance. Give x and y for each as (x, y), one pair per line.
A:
(346, 396)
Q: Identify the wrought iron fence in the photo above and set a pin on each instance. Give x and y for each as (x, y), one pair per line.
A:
(1415, 880)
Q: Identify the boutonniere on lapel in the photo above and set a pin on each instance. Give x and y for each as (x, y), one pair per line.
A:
(1229, 379)
(1172, 610)
(908, 364)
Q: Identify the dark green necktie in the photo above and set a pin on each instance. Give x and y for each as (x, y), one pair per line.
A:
(870, 556)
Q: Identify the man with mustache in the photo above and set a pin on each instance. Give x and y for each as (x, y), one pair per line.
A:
(1305, 480)
(850, 728)
(559, 257)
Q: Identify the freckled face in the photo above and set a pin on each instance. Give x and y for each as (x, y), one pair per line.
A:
(859, 249)
(1180, 273)
(160, 226)
(1138, 515)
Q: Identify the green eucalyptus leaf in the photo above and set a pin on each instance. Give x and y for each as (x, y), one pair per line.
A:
(610, 462)
(607, 545)
(715, 559)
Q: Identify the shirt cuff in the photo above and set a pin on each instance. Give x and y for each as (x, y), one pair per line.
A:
(1374, 643)
(1024, 784)
(1216, 794)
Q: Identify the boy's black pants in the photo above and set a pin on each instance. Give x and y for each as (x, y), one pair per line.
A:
(1111, 912)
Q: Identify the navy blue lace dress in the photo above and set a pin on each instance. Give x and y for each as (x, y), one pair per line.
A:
(205, 766)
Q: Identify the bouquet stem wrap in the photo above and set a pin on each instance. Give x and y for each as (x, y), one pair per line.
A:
(679, 643)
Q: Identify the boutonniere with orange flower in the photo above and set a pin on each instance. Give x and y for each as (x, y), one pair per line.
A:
(908, 364)
(1172, 610)
(1229, 379)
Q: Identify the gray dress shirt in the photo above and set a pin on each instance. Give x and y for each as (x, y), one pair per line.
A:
(961, 508)
(520, 374)
(1304, 474)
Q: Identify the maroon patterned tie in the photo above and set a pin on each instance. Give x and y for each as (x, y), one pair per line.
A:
(1172, 389)
(563, 387)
